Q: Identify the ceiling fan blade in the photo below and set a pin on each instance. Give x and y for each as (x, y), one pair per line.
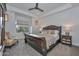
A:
(36, 7)
(40, 10)
(31, 8)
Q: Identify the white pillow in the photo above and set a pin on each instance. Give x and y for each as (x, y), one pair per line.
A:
(44, 32)
(55, 35)
(56, 31)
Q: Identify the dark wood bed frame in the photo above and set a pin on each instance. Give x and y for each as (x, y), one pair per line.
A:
(39, 43)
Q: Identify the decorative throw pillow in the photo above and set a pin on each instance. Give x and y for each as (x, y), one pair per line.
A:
(51, 32)
(44, 32)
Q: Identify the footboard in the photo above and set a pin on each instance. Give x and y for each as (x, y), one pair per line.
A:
(38, 43)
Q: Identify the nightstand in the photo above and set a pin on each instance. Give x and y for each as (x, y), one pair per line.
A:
(66, 40)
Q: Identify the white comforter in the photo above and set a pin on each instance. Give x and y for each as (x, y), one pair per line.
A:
(51, 39)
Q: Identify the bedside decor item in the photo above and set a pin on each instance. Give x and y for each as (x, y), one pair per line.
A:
(67, 29)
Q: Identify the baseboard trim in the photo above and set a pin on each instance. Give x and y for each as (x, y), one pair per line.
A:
(77, 45)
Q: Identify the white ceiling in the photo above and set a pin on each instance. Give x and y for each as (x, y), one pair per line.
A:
(47, 7)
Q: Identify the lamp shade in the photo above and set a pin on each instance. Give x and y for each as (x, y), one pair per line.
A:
(68, 27)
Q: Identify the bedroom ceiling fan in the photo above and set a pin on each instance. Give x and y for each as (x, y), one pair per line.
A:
(36, 8)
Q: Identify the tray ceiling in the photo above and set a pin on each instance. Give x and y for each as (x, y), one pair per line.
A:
(47, 7)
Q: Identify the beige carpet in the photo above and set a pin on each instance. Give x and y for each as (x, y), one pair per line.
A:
(22, 49)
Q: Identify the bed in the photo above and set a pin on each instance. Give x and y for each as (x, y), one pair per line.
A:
(43, 43)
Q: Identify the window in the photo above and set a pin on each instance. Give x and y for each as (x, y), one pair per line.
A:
(22, 26)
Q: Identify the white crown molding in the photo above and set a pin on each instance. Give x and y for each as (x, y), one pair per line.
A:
(14, 9)
(61, 8)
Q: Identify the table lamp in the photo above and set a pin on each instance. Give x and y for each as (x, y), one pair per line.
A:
(67, 29)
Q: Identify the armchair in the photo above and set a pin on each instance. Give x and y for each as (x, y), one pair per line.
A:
(8, 40)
